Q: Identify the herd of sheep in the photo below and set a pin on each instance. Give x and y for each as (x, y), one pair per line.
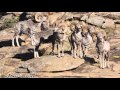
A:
(80, 39)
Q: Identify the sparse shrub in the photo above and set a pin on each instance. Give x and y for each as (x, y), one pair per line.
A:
(9, 23)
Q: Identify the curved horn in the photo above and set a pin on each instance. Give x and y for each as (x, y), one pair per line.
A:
(37, 16)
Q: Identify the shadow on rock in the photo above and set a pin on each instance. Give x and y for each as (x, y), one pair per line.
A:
(90, 60)
(28, 55)
(7, 43)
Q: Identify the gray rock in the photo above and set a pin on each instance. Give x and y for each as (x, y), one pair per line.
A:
(96, 20)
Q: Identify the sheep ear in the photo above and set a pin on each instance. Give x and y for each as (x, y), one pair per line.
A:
(105, 38)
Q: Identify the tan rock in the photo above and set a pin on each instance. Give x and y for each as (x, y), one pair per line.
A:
(109, 23)
(115, 67)
(84, 18)
(118, 26)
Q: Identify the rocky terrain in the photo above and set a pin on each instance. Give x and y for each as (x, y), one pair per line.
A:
(18, 62)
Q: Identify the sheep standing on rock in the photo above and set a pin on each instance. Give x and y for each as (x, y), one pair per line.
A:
(22, 27)
(38, 38)
(76, 40)
(103, 50)
(59, 38)
(86, 42)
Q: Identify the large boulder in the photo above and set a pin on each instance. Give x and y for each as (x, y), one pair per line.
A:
(110, 15)
(54, 17)
(7, 17)
(113, 15)
(96, 20)
(51, 63)
(109, 23)
(84, 17)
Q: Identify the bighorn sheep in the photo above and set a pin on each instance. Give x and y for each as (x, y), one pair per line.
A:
(86, 42)
(38, 38)
(22, 27)
(92, 32)
(76, 40)
(59, 38)
(103, 50)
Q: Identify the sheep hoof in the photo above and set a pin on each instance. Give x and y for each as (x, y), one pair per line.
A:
(62, 55)
(102, 68)
(81, 57)
(52, 53)
(108, 67)
(74, 57)
(58, 56)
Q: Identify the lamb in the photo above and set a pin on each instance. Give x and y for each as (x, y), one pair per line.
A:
(76, 40)
(59, 38)
(103, 50)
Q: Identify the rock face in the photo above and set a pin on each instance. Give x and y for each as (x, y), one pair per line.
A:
(109, 23)
(24, 65)
(84, 18)
(96, 20)
(114, 15)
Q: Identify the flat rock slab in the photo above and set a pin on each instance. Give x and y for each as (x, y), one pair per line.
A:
(52, 64)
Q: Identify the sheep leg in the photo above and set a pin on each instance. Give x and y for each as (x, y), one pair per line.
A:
(105, 63)
(100, 61)
(53, 48)
(108, 66)
(62, 47)
(83, 48)
(107, 58)
(13, 42)
(17, 37)
(58, 46)
(36, 54)
(74, 51)
(77, 50)
(33, 43)
(81, 52)
(103, 59)
(71, 44)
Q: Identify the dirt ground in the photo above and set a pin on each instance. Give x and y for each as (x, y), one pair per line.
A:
(12, 58)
